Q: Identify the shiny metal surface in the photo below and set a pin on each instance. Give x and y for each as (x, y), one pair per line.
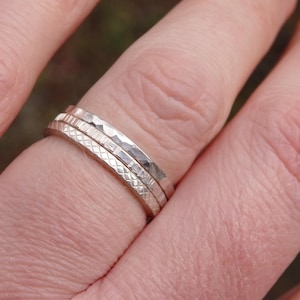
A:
(118, 152)
(101, 154)
(126, 144)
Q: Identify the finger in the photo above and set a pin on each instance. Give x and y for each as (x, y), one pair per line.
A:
(30, 32)
(176, 85)
(81, 218)
(294, 294)
(233, 225)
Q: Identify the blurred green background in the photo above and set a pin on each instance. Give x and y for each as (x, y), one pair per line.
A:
(107, 32)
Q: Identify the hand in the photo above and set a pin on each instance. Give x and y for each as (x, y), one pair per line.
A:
(231, 227)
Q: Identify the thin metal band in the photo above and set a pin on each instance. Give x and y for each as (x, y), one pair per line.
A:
(92, 147)
(118, 152)
(126, 144)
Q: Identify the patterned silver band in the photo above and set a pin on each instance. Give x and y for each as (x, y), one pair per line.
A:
(126, 144)
(65, 130)
(118, 152)
(108, 145)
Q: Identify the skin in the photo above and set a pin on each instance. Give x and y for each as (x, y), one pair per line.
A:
(69, 229)
(294, 294)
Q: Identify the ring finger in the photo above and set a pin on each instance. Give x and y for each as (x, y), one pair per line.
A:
(175, 87)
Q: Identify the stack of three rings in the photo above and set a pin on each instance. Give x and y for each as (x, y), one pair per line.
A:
(112, 148)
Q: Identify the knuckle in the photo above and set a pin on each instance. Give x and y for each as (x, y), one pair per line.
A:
(169, 91)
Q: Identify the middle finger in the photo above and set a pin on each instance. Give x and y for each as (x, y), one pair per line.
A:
(173, 90)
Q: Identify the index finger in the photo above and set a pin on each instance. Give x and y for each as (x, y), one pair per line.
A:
(30, 32)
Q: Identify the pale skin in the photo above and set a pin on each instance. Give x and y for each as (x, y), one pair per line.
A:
(68, 228)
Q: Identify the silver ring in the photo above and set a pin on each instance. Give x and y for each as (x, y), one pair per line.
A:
(106, 144)
(127, 144)
(67, 131)
(118, 152)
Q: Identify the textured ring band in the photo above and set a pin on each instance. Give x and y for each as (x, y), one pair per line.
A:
(128, 145)
(118, 152)
(65, 130)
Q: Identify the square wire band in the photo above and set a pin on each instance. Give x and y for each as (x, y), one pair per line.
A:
(118, 152)
(99, 152)
(127, 144)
